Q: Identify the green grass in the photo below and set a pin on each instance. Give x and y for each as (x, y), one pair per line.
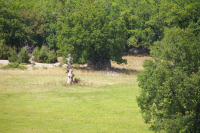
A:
(39, 101)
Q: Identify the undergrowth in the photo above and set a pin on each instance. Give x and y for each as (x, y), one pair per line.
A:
(14, 66)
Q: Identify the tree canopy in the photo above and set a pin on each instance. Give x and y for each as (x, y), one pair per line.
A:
(39, 22)
(170, 96)
(89, 34)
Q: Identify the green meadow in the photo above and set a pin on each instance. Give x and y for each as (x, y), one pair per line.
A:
(38, 100)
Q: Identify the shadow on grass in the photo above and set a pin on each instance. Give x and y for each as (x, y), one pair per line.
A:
(112, 70)
(125, 71)
(138, 55)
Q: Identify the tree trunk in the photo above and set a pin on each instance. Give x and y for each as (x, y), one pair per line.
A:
(99, 65)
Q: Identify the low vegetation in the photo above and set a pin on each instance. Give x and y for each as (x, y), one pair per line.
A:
(44, 56)
(14, 66)
(23, 56)
(4, 50)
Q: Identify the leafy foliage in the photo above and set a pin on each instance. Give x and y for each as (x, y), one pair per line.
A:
(142, 22)
(34, 26)
(4, 50)
(23, 56)
(13, 55)
(42, 56)
(170, 83)
(52, 58)
(12, 31)
(13, 66)
(36, 54)
(91, 36)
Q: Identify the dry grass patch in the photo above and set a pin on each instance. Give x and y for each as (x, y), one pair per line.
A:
(133, 63)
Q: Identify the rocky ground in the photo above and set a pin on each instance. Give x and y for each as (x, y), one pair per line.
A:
(5, 62)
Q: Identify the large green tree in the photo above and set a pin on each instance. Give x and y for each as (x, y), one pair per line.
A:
(34, 25)
(11, 29)
(89, 34)
(170, 83)
(142, 22)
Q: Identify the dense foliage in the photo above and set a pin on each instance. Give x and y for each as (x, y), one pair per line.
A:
(4, 50)
(14, 65)
(13, 57)
(23, 56)
(91, 35)
(93, 29)
(170, 97)
(44, 56)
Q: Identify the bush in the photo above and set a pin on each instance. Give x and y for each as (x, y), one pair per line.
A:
(4, 50)
(36, 54)
(13, 55)
(64, 60)
(23, 56)
(42, 56)
(52, 58)
(14, 65)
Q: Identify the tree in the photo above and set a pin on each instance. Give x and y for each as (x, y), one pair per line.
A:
(34, 25)
(89, 34)
(170, 83)
(11, 29)
(50, 10)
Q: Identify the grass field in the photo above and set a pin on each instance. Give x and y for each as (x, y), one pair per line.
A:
(37, 100)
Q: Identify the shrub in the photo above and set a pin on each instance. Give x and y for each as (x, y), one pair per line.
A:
(64, 60)
(52, 58)
(42, 56)
(4, 50)
(13, 55)
(23, 56)
(36, 54)
(14, 65)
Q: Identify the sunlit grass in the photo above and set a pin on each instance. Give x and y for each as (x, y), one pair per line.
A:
(40, 101)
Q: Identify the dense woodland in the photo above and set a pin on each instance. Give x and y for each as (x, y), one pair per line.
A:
(93, 29)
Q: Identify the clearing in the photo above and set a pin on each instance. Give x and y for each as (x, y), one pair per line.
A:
(37, 100)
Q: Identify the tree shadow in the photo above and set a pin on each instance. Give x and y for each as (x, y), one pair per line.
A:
(125, 71)
(112, 70)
